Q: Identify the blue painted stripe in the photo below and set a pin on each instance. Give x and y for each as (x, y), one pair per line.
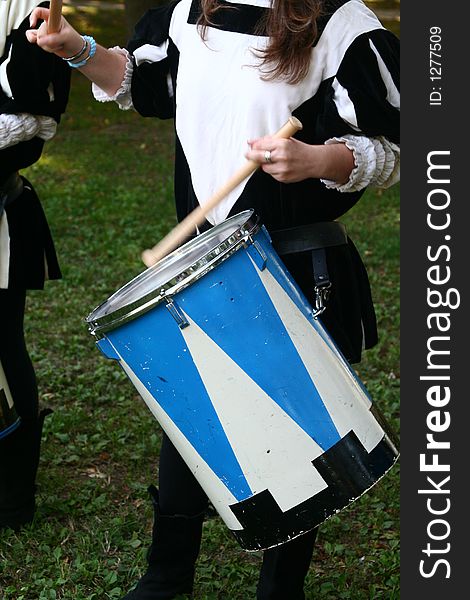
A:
(154, 349)
(232, 306)
(285, 280)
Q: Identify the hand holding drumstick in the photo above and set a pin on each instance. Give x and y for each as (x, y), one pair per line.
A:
(197, 217)
(55, 15)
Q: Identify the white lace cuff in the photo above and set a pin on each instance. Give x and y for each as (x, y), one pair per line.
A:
(23, 126)
(123, 96)
(390, 173)
(376, 160)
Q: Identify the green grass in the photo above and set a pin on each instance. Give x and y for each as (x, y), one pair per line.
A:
(106, 185)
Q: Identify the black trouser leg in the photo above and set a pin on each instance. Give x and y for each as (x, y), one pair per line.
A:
(19, 460)
(179, 509)
(19, 450)
(180, 492)
(14, 354)
(284, 569)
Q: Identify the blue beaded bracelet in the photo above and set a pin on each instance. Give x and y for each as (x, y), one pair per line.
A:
(92, 44)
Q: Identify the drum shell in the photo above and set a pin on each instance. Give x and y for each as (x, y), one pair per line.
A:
(252, 391)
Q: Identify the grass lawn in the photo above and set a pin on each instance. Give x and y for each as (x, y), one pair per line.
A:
(106, 185)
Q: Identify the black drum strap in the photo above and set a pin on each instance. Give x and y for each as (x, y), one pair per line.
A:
(321, 280)
(309, 237)
(313, 238)
(320, 268)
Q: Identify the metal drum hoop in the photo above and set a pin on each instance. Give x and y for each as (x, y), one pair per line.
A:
(191, 273)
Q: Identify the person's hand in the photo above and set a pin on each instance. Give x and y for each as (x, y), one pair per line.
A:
(289, 160)
(65, 43)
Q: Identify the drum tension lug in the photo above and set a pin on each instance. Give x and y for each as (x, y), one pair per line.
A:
(257, 254)
(176, 313)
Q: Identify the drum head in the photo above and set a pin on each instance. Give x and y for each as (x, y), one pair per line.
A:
(173, 273)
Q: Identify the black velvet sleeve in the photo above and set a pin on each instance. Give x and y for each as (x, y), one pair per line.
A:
(151, 96)
(369, 69)
(39, 81)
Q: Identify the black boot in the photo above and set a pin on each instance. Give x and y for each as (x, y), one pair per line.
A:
(171, 557)
(284, 569)
(19, 460)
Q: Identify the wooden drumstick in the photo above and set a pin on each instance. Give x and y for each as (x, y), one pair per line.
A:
(187, 226)
(55, 14)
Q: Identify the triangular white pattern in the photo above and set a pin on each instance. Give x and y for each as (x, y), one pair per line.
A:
(345, 401)
(273, 451)
(219, 494)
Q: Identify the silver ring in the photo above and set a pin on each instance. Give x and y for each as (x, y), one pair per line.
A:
(267, 156)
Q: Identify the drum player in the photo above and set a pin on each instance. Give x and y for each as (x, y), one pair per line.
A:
(231, 73)
(34, 91)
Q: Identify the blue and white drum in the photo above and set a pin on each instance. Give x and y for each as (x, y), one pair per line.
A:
(225, 350)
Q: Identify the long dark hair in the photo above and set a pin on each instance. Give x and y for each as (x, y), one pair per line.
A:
(291, 26)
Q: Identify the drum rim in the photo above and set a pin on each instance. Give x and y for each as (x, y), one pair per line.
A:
(192, 273)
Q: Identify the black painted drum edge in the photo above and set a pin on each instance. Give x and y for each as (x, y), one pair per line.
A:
(348, 469)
